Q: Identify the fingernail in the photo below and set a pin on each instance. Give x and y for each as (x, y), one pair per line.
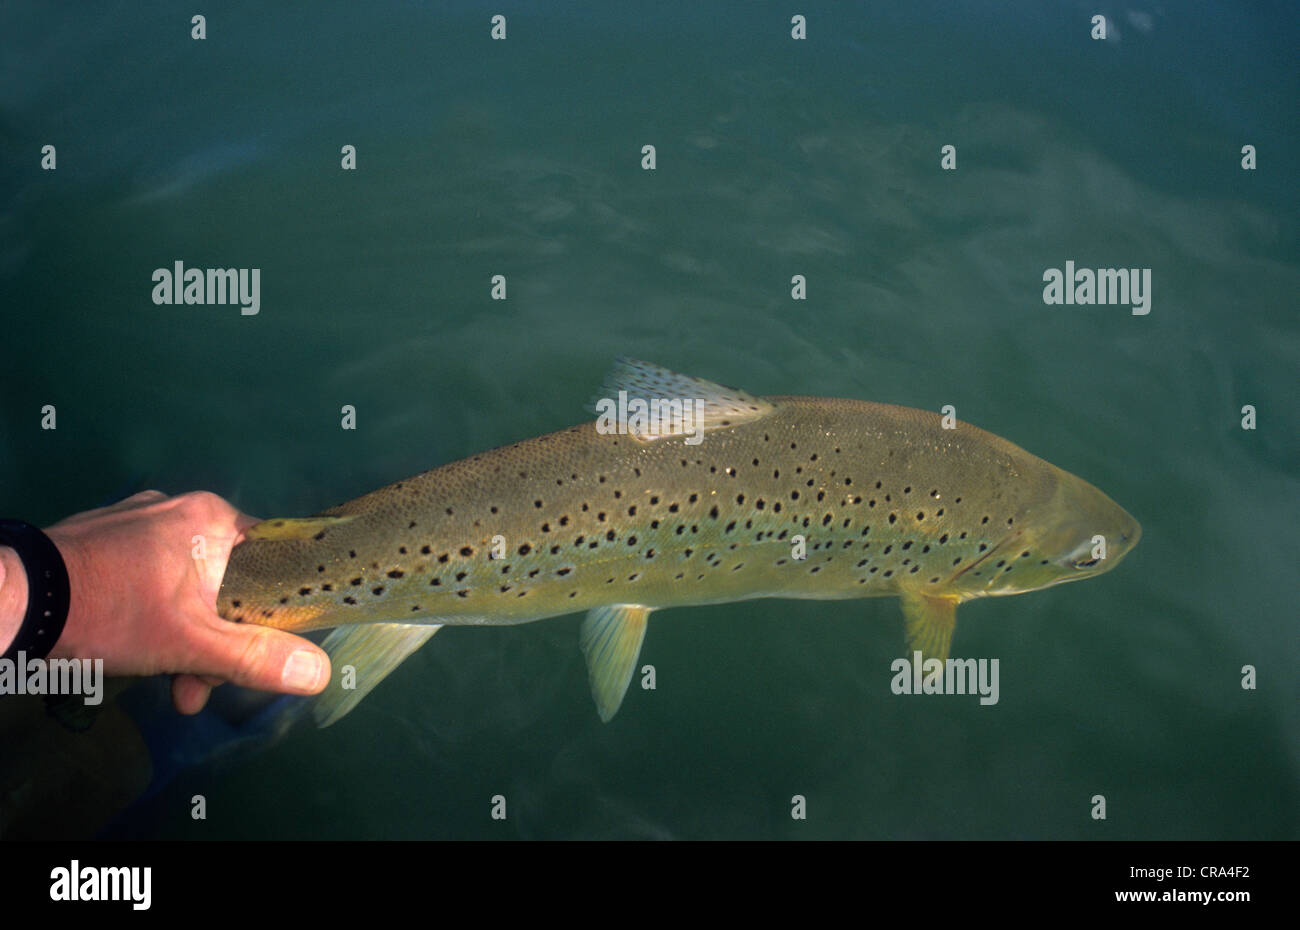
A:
(303, 671)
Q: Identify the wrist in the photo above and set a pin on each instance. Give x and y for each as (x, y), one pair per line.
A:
(69, 645)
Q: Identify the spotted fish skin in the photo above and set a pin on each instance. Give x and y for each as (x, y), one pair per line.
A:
(887, 500)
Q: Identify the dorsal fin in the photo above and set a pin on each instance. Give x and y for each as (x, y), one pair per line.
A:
(649, 403)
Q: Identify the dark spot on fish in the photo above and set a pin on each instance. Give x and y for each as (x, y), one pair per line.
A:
(319, 536)
(327, 587)
(611, 535)
(443, 557)
(462, 593)
(377, 591)
(356, 582)
(284, 600)
(396, 573)
(435, 582)
(631, 511)
(893, 517)
(466, 551)
(563, 571)
(234, 603)
(460, 576)
(537, 504)
(303, 592)
(349, 599)
(554, 549)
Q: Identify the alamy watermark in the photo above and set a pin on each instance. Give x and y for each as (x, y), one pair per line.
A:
(1118, 286)
(201, 286)
(951, 676)
(53, 676)
(652, 419)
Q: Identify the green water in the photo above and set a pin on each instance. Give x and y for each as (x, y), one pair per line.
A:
(775, 158)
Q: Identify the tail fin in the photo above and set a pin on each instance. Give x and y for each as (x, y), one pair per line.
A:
(371, 650)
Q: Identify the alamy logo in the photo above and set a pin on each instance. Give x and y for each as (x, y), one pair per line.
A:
(53, 676)
(652, 419)
(951, 676)
(104, 883)
(1118, 286)
(181, 285)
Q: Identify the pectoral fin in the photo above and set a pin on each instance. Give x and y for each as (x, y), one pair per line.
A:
(372, 651)
(611, 641)
(286, 528)
(930, 622)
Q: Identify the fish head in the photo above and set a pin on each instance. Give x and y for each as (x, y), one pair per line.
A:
(1075, 532)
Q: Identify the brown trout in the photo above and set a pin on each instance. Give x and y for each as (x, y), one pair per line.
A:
(726, 497)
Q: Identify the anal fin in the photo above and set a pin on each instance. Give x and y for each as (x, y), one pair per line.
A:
(930, 622)
(611, 639)
(373, 650)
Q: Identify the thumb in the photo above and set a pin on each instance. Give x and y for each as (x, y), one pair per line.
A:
(263, 659)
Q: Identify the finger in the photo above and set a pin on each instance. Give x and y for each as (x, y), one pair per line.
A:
(189, 693)
(263, 659)
(243, 521)
(142, 499)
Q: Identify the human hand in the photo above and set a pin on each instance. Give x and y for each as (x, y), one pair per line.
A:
(144, 594)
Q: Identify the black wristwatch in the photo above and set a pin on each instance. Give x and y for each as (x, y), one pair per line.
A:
(48, 594)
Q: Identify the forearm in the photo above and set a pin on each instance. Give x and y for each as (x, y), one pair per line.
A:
(13, 595)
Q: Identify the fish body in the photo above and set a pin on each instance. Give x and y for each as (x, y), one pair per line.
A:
(797, 497)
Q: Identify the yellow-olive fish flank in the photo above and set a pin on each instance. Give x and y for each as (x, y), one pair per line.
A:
(622, 521)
